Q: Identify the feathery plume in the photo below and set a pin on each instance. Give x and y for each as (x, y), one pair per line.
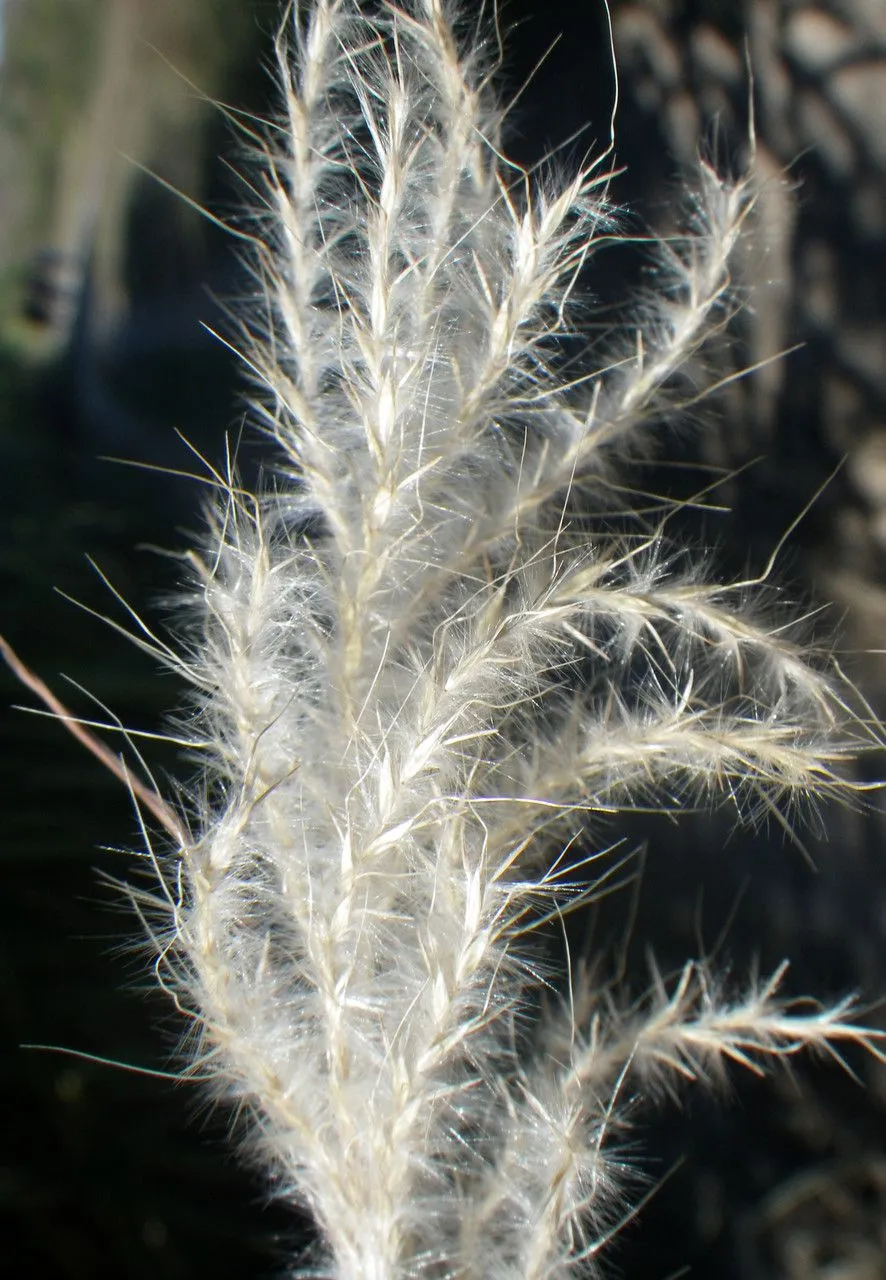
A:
(429, 649)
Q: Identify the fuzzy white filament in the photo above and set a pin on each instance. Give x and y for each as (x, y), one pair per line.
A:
(424, 653)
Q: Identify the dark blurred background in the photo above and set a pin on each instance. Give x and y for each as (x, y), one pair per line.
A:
(109, 286)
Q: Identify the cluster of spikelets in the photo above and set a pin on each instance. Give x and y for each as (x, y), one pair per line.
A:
(428, 651)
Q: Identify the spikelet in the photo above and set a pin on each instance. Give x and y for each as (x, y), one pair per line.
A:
(428, 650)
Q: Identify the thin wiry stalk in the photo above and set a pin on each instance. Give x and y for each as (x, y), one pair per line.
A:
(426, 653)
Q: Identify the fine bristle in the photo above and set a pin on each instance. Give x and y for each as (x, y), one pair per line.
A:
(427, 651)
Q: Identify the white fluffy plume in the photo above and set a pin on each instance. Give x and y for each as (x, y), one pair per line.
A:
(429, 649)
